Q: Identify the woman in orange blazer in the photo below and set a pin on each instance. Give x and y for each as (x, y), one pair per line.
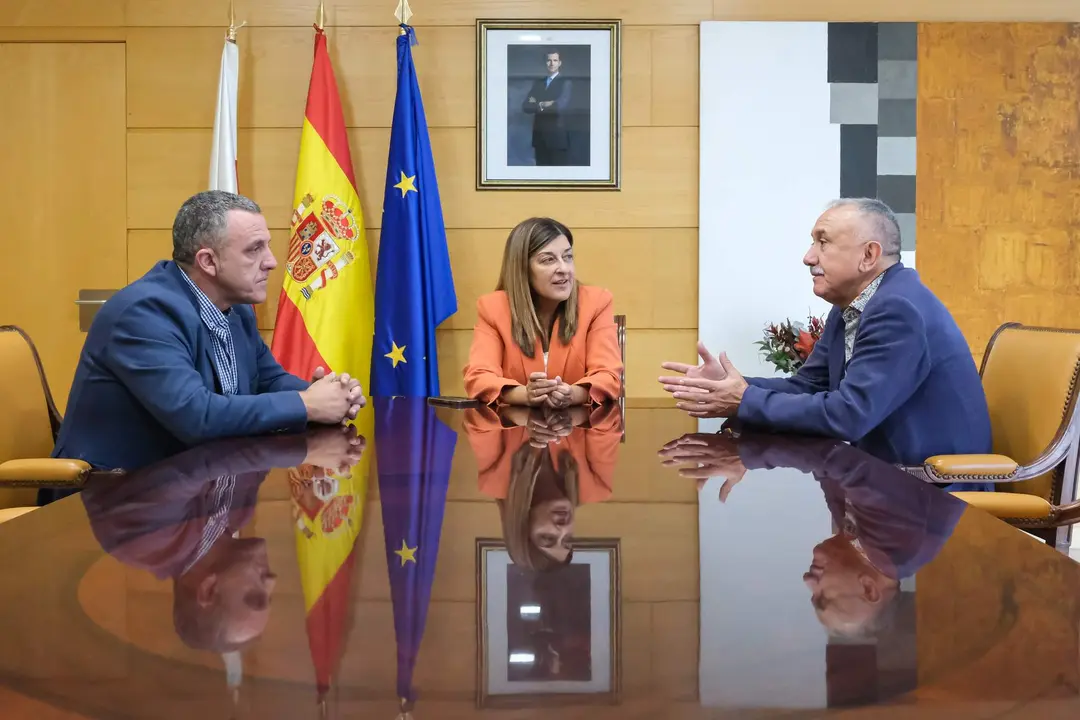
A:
(539, 484)
(542, 338)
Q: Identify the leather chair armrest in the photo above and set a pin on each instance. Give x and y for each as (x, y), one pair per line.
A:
(43, 472)
(972, 467)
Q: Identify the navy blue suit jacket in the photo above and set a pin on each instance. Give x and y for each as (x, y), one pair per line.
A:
(145, 387)
(910, 391)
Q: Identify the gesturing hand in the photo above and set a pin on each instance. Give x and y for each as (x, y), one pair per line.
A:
(702, 397)
(710, 368)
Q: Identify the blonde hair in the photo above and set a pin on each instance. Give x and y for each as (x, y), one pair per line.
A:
(525, 467)
(528, 238)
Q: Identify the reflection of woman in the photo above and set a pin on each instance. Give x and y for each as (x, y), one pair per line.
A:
(540, 476)
(542, 338)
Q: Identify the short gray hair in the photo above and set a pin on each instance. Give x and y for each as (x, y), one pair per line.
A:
(881, 219)
(201, 222)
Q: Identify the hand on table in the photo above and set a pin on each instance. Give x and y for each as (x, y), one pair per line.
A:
(538, 388)
(711, 455)
(351, 384)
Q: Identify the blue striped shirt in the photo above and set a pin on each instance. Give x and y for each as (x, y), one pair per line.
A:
(220, 337)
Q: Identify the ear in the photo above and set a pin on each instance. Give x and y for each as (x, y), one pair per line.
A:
(871, 254)
(207, 589)
(206, 260)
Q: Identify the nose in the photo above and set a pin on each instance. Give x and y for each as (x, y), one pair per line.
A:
(810, 258)
(270, 262)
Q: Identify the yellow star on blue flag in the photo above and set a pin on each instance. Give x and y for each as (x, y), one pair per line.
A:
(407, 184)
(406, 553)
(396, 354)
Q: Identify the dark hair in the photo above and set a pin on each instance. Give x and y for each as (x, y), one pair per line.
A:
(201, 222)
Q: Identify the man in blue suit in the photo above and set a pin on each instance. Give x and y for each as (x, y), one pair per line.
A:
(892, 373)
(175, 359)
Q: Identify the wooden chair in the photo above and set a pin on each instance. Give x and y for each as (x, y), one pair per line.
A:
(29, 423)
(1030, 375)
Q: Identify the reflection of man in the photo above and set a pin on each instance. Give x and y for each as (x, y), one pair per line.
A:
(180, 519)
(548, 102)
(888, 525)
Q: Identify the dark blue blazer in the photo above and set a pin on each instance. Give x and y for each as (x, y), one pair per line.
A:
(145, 387)
(910, 391)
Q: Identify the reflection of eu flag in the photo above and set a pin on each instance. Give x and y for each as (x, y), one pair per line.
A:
(414, 289)
(414, 452)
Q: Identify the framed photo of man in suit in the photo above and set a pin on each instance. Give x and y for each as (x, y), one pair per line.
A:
(548, 104)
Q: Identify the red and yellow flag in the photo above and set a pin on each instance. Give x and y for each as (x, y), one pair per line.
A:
(326, 314)
(328, 513)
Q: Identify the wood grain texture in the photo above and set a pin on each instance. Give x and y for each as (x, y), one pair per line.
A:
(883, 11)
(168, 67)
(166, 166)
(999, 210)
(445, 12)
(62, 170)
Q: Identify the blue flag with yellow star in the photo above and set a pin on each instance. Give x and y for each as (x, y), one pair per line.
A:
(414, 451)
(414, 287)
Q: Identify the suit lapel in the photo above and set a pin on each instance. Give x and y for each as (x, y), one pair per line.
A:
(836, 353)
(242, 350)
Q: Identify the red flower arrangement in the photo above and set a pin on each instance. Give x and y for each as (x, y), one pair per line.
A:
(788, 344)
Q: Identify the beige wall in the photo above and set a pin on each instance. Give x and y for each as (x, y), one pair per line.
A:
(640, 242)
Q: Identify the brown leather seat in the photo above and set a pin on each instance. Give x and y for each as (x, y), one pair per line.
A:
(29, 422)
(1030, 377)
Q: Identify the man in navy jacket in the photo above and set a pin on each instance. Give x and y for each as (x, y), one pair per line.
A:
(892, 373)
(175, 359)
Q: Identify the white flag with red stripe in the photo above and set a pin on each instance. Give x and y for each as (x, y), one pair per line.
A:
(223, 151)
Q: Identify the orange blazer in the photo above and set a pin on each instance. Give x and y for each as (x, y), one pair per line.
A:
(592, 358)
(595, 448)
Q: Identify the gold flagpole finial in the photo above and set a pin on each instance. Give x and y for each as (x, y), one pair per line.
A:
(233, 27)
(403, 13)
(320, 19)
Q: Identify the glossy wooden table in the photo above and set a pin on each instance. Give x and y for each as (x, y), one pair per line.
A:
(824, 583)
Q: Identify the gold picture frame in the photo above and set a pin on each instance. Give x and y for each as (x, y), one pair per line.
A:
(575, 677)
(541, 131)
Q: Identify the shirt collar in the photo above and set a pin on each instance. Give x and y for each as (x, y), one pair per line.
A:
(859, 304)
(207, 308)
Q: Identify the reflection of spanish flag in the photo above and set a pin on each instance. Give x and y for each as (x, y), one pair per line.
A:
(326, 312)
(328, 511)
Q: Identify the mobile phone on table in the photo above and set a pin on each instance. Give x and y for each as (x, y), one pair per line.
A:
(453, 401)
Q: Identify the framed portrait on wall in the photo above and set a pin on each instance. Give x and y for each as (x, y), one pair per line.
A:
(548, 104)
(548, 638)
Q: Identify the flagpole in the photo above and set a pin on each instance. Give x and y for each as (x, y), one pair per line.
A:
(403, 13)
(233, 27)
(320, 19)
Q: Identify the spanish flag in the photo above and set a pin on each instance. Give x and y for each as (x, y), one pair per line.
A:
(326, 313)
(328, 512)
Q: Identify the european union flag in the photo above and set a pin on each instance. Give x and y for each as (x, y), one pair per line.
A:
(414, 288)
(414, 453)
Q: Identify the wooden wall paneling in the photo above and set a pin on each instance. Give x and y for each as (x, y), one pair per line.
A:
(169, 67)
(659, 179)
(64, 170)
(445, 12)
(883, 11)
(64, 13)
(997, 217)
